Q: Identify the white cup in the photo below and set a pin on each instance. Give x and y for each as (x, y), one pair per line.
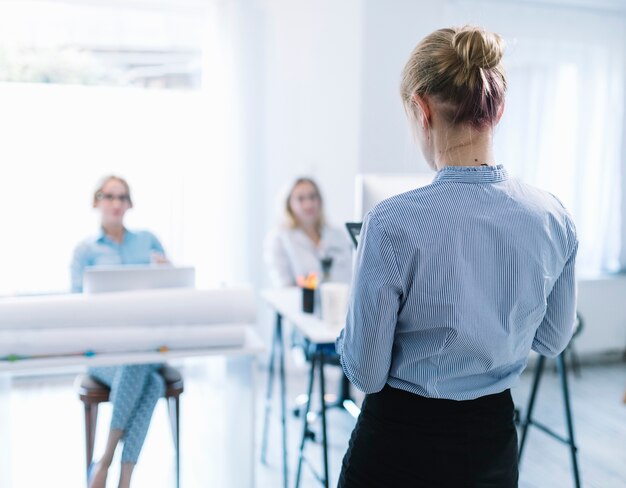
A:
(334, 300)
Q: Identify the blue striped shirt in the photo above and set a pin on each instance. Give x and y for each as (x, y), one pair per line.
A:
(456, 282)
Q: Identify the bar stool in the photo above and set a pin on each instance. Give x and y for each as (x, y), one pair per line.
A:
(92, 393)
(529, 420)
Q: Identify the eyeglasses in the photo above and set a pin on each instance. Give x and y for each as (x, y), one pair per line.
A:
(311, 197)
(110, 198)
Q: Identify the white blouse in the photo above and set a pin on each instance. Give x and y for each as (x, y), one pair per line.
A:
(290, 253)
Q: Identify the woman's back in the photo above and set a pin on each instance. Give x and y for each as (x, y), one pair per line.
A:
(454, 284)
(474, 258)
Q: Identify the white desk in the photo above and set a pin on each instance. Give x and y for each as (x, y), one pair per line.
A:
(238, 465)
(287, 303)
(239, 395)
(252, 345)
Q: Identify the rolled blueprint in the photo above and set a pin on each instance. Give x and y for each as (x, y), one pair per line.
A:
(120, 322)
(173, 306)
(31, 343)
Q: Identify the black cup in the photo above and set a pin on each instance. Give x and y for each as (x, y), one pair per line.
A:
(308, 300)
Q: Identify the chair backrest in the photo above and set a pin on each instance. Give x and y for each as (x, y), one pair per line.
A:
(579, 325)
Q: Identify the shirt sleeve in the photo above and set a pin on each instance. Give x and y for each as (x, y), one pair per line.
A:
(77, 268)
(156, 245)
(557, 326)
(365, 345)
(277, 261)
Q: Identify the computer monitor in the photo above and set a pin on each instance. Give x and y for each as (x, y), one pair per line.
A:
(373, 188)
(103, 279)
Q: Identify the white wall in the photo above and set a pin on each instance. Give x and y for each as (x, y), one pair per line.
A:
(391, 31)
(601, 304)
(622, 258)
(312, 89)
(249, 38)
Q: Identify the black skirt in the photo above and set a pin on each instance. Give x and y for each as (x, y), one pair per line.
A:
(405, 440)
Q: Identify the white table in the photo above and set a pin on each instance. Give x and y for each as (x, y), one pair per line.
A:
(287, 304)
(28, 322)
(239, 393)
(252, 345)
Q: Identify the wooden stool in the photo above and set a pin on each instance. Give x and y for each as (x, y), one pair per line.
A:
(92, 393)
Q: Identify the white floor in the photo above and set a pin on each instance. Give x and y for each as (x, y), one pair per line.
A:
(47, 437)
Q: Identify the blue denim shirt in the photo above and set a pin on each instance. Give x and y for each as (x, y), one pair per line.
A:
(136, 248)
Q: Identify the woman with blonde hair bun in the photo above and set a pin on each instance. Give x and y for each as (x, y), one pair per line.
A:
(455, 283)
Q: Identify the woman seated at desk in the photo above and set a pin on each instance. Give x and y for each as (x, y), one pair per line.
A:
(135, 389)
(304, 243)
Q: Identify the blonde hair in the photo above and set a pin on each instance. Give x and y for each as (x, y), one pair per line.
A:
(291, 219)
(102, 184)
(460, 67)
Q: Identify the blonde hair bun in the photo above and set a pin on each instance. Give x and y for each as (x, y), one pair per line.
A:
(478, 48)
(461, 67)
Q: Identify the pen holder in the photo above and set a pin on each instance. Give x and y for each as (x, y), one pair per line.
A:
(308, 300)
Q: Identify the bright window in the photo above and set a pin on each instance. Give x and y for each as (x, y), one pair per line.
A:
(93, 88)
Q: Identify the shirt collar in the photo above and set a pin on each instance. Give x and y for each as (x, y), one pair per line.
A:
(102, 237)
(472, 174)
(302, 236)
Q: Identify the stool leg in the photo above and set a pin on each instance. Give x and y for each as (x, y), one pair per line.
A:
(268, 396)
(88, 439)
(324, 429)
(91, 419)
(305, 426)
(531, 404)
(560, 362)
(575, 359)
(283, 394)
(173, 406)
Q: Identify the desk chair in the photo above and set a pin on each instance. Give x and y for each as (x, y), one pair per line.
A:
(343, 399)
(320, 355)
(528, 419)
(92, 393)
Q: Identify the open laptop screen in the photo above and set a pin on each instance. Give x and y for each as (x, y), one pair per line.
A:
(354, 229)
(102, 279)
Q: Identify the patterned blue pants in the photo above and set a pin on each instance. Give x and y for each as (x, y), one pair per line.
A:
(135, 390)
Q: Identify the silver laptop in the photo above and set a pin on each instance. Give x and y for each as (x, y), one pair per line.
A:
(103, 279)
